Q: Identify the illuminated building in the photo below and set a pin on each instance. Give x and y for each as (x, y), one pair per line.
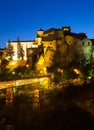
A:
(85, 49)
(25, 45)
(50, 37)
(54, 38)
(2, 56)
(33, 54)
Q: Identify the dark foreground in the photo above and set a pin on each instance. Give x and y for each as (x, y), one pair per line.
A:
(70, 108)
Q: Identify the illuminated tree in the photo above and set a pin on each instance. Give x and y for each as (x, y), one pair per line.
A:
(10, 51)
(20, 51)
(49, 57)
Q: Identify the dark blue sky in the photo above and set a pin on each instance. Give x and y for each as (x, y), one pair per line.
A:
(22, 18)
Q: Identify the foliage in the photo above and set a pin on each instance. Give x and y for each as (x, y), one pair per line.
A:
(22, 72)
(10, 51)
(4, 63)
(20, 51)
(57, 76)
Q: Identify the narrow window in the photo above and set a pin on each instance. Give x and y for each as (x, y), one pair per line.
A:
(88, 43)
(69, 41)
(83, 43)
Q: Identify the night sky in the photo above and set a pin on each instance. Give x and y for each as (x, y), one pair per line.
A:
(22, 18)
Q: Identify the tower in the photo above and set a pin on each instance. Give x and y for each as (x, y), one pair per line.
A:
(66, 30)
(40, 33)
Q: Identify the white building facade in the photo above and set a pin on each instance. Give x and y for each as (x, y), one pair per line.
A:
(24, 44)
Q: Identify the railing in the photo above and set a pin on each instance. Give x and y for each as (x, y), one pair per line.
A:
(22, 81)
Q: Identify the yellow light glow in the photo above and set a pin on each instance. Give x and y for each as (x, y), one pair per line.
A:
(45, 70)
(44, 83)
(12, 65)
(15, 63)
(27, 65)
(60, 70)
(40, 63)
(36, 93)
(66, 29)
(77, 71)
(41, 79)
(89, 77)
(41, 60)
(13, 72)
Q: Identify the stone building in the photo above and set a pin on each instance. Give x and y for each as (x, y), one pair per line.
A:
(55, 38)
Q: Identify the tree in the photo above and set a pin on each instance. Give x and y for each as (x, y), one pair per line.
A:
(10, 51)
(20, 51)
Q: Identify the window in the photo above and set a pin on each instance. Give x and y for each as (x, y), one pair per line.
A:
(88, 43)
(57, 46)
(82, 43)
(69, 41)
